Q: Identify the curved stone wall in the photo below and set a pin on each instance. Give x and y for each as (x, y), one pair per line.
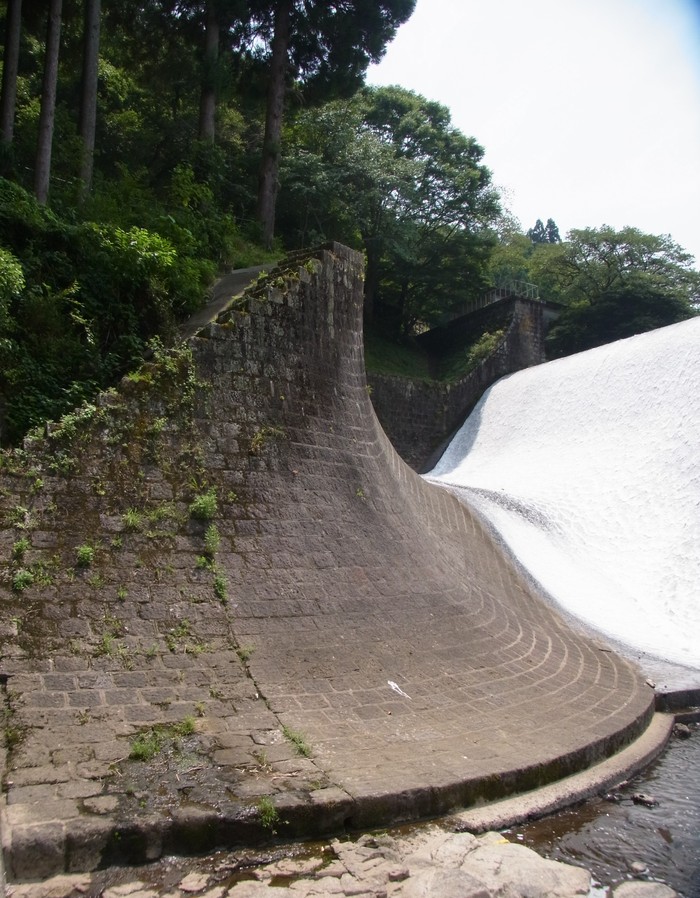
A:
(230, 609)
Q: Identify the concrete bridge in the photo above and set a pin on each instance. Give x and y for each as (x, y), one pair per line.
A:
(230, 609)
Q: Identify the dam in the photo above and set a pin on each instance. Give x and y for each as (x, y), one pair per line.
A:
(230, 609)
(587, 468)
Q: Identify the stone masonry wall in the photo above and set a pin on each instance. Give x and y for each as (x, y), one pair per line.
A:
(229, 609)
(420, 417)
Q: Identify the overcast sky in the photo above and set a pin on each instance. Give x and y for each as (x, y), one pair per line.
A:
(588, 110)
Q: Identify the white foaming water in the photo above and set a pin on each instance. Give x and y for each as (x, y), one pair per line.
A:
(589, 468)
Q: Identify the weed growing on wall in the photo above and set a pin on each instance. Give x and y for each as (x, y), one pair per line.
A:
(269, 815)
(84, 556)
(221, 587)
(204, 506)
(22, 580)
(212, 540)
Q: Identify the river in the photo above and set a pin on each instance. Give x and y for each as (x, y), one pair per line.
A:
(608, 837)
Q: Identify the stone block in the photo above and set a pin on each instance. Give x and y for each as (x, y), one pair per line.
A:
(36, 852)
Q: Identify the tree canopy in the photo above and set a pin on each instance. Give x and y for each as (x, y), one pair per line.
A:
(178, 138)
(548, 233)
(388, 172)
(617, 284)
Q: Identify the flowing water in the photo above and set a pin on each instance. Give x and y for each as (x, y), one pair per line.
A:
(588, 471)
(611, 837)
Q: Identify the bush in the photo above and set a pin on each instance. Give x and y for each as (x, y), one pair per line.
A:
(204, 506)
(22, 580)
(84, 556)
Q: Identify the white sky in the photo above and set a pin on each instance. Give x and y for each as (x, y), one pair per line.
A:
(588, 110)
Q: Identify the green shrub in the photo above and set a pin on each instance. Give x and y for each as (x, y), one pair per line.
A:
(483, 347)
(212, 540)
(84, 556)
(22, 580)
(20, 548)
(204, 506)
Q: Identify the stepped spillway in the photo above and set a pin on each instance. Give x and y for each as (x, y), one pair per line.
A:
(588, 468)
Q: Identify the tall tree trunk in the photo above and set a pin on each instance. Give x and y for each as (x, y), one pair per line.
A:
(42, 167)
(207, 102)
(88, 100)
(13, 21)
(269, 166)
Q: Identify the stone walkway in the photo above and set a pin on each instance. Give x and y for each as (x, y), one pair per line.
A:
(240, 611)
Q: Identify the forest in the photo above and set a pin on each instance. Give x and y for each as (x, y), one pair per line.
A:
(147, 146)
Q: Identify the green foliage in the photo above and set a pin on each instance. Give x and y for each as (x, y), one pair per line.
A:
(204, 506)
(404, 359)
(178, 635)
(91, 297)
(212, 540)
(297, 739)
(20, 518)
(389, 172)
(149, 743)
(84, 286)
(465, 358)
(245, 653)
(19, 548)
(22, 580)
(615, 284)
(616, 314)
(84, 556)
(12, 282)
(146, 746)
(221, 587)
(132, 520)
(262, 437)
(548, 233)
(269, 815)
(483, 348)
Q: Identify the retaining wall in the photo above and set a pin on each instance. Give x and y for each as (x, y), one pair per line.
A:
(420, 417)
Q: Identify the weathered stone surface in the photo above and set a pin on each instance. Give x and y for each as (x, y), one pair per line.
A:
(644, 890)
(250, 889)
(193, 882)
(447, 883)
(55, 887)
(424, 862)
(514, 870)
